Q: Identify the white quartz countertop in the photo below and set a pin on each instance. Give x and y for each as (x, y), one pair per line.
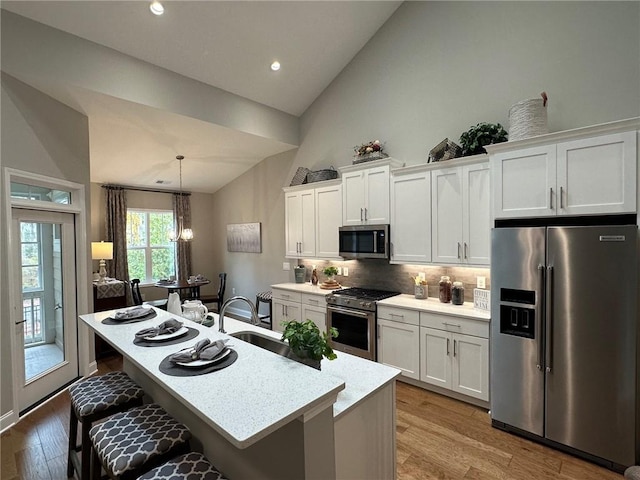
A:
(261, 391)
(303, 288)
(434, 305)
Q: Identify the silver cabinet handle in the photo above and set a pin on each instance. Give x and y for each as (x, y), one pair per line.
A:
(361, 217)
(551, 198)
(539, 364)
(549, 320)
(561, 203)
(313, 300)
(285, 295)
(457, 325)
(465, 250)
(447, 347)
(454, 347)
(375, 244)
(396, 315)
(458, 249)
(365, 214)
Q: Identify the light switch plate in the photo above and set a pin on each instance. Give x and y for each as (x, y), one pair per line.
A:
(422, 276)
(481, 282)
(345, 271)
(339, 270)
(286, 266)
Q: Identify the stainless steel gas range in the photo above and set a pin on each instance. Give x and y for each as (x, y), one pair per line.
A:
(352, 311)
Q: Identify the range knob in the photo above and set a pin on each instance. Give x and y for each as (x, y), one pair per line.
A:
(365, 304)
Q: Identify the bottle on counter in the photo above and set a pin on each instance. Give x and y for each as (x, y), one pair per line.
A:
(445, 289)
(457, 293)
(314, 277)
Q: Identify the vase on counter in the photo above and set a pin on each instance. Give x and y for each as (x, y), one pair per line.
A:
(420, 291)
(314, 277)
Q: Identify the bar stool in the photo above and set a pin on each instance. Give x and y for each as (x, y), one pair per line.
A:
(93, 399)
(131, 443)
(264, 297)
(192, 466)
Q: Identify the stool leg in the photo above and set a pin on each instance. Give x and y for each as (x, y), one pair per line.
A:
(96, 467)
(270, 318)
(86, 451)
(73, 434)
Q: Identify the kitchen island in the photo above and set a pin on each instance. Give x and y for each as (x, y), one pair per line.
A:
(266, 416)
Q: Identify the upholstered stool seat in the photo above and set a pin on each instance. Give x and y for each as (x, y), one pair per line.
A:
(192, 466)
(131, 443)
(93, 399)
(632, 473)
(264, 297)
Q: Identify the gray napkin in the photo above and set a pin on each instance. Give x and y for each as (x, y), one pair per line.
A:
(170, 326)
(132, 313)
(213, 350)
(190, 354)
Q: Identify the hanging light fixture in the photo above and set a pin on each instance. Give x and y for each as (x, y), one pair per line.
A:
(182, 233)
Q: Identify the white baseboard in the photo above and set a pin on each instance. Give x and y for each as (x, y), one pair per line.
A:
(8, 420)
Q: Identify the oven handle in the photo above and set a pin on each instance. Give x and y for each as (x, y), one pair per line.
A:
(356, 313)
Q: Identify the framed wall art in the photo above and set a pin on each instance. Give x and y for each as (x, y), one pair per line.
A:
(244, 237)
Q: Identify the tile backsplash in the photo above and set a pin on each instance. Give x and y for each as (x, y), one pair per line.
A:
(382, 275)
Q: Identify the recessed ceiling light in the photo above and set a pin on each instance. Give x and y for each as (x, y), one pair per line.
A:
(156, 8)
(275, 66)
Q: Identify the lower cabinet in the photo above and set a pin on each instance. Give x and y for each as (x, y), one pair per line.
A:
(284, 311)
(399, 340)
(288, 305)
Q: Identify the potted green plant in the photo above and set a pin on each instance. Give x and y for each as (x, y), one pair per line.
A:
(473, 140)
(308, 344)
(330, 272)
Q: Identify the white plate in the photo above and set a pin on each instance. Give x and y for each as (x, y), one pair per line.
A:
(143, 313)
(204, 363)
(168, 336)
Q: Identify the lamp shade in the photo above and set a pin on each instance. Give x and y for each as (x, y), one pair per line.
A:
(102, 250)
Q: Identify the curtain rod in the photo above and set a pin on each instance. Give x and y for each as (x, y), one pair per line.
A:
(143, 189)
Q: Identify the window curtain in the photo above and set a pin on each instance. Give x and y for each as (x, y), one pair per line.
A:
(116, 219)
(182, 214)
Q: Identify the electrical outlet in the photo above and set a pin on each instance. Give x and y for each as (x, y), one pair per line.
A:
(233, 291)
(481, 282)
(345, 271)
(286, 266)
(339, 271)
(422, 276)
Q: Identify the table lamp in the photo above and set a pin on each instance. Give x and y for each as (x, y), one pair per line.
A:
(102, 251)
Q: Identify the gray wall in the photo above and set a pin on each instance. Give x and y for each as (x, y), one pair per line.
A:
(432, 71)
(43, 136)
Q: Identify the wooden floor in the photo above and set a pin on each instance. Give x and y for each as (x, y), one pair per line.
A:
(437, 438)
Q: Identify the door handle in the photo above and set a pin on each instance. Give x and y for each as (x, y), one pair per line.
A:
(361, 217)
(458, 250)
(365, 214)
(549, 321)
(18, 323)
(454, 347)
(57, 307)
(561, 203)
(447, 347)
(465, 250)
(539, 364)
(551, 198)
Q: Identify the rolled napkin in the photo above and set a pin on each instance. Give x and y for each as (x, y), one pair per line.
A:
(213, 350)
(170, 326)
(132, 313)
(190, 354)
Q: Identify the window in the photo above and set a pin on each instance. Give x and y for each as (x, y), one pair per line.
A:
(31, 257)
(150, 254)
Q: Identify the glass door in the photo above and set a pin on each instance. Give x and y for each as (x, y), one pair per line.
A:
(46, 326)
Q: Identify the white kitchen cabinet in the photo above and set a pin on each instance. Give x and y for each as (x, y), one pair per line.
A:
(454, 354)
(316, 315)
(365, 192)
(328, 202)
(399, 340)
(300, 224)
(284, 311)
(569, 173)
(461, 213)
(410, 230)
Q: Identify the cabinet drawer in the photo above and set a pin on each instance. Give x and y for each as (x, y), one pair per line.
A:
(466, 326)
(287, 295)
(314, 300)
(402, 315)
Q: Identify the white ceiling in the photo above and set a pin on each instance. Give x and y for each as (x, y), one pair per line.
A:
(229, 45)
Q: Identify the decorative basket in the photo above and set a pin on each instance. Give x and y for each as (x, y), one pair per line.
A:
(445, 150)
(369, 157)
(321, 175)
(528, 118)
(300, 177)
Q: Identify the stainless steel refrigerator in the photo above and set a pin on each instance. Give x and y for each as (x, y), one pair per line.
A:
(564, 338)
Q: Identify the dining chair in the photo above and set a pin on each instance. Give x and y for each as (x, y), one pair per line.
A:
(137, 296)
(219, 297)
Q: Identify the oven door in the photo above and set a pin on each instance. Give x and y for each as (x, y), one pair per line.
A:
(356, 331)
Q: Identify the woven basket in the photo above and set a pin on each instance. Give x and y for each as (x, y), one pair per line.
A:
(528, 118)
(300, 177)
(321, 175)
(445, 150)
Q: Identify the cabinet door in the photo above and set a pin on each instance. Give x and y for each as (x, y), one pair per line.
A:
(470, 366)
(284, 311)
(435, 364)
(399, 347)
(293, 223)
(411, 218)
(316, 315)
(328, 220)
(523, 182)
(598, 175)
(377, 195)
(353, 198)
(308, 226)
(446, 217)
(476, 214)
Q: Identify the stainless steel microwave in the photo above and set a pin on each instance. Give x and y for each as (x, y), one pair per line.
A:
(364, 241)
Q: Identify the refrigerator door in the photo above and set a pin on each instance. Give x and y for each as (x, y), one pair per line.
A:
(591, 367)
(517, 384)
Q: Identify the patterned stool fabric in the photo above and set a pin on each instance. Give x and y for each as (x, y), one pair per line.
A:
(632, 473)
(129, 443)
(192, 466)
(264, 296)
(93, 399)
(97, 394)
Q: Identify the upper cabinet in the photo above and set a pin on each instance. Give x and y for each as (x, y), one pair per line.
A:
(460, 213)
(589, 171)
(365, 192)
(313, 214)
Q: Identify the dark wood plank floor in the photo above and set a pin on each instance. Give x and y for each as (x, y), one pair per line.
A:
(437, 438)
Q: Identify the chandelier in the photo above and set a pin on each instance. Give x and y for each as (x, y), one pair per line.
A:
(181, 233)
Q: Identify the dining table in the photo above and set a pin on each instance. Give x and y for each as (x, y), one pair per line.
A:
(188, 290)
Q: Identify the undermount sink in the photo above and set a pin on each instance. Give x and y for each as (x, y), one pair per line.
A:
(263, 341)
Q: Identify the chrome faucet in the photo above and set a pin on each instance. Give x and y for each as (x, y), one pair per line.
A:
(255, 319)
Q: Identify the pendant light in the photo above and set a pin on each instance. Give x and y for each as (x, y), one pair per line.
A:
(182, 233)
